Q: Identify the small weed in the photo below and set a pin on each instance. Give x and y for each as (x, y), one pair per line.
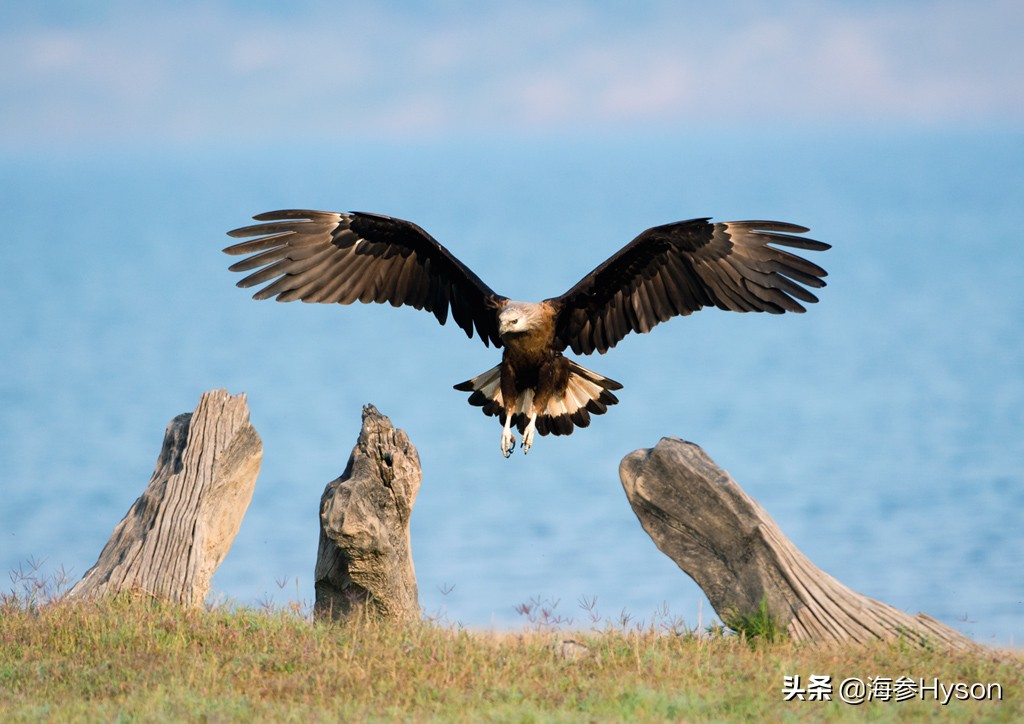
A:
(540, 612)
(589, 604)
(757, 627)
(33, 589)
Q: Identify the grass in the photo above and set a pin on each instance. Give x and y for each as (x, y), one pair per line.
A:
(132, 658)
(759, 626)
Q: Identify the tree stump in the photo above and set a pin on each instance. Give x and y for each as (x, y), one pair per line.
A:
(364, 563)
(699, 517)
(179, 530)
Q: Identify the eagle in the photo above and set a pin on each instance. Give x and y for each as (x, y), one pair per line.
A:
(667, 271)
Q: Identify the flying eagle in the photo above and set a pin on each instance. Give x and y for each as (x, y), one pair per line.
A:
(675, 269)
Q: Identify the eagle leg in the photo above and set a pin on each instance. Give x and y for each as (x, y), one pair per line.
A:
(508, 440)
(531, 428)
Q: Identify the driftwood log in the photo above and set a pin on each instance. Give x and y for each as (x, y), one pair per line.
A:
(699, 517)
(364, 563)
(179, 530)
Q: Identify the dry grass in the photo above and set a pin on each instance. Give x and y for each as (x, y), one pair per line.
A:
(136, 659)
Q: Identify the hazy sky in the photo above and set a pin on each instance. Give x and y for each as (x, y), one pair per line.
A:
(210, 71)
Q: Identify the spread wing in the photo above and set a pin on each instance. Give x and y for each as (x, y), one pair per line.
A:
(327, 257)
(679, 268)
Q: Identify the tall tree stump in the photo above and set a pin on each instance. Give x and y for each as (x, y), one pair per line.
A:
(179, 530)
(699, 517)
(364, 563)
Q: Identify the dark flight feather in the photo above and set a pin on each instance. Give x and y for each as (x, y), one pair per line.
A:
(326, 257)
(679, 268)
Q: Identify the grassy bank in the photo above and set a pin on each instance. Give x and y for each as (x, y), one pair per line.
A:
(136, 659)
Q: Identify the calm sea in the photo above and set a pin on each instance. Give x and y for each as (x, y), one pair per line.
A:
(883, 430)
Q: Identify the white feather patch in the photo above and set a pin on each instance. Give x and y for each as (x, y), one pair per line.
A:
(525, 403)
(575, 394)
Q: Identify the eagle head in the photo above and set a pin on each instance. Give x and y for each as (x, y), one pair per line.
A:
(518, 318)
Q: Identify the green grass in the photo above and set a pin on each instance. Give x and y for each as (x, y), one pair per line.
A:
(130, 659)
(759, 626)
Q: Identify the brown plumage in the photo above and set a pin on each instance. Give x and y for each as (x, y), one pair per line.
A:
(670, 270)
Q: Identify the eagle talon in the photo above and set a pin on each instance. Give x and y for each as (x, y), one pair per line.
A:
(508, 443)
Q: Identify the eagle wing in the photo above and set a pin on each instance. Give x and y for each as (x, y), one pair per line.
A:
(335, 258)
(679, 268)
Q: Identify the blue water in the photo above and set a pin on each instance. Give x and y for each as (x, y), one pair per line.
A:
(883, 430)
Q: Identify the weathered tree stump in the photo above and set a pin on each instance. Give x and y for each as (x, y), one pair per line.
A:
(699, 517)
(179, 530)
(364, 563)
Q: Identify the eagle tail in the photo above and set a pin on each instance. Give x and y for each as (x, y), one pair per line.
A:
(586, 393)
(486, 391)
